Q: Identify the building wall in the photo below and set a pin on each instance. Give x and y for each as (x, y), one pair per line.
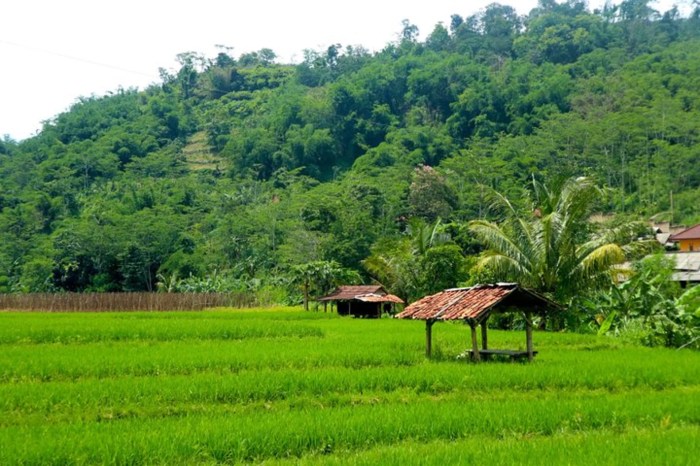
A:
(688, 245)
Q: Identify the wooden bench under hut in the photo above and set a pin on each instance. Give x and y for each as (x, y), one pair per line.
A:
(474, 306)
(362, 300)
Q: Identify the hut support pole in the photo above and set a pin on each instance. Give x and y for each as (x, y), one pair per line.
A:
(528, 334)
(475, 344)
(429, 337)
(484, 335)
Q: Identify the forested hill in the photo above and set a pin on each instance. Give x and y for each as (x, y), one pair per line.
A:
(234, 171)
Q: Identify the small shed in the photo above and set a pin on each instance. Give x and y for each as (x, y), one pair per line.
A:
(474, 306)
(362, 300)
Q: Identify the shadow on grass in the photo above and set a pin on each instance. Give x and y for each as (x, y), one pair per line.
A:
(465, 357)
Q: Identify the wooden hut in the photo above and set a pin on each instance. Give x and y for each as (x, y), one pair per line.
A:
(474, 306)
(362, 300)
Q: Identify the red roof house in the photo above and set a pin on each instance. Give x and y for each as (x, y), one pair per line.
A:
(689, 239)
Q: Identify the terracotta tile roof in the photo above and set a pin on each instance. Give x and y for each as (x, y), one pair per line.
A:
(351, 292)
(377, 298)
(689, 233)
(469, 303)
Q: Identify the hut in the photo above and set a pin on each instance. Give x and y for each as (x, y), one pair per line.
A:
(474, 306)
(362, 300)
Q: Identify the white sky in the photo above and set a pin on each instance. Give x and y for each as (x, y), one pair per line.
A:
(54, 51)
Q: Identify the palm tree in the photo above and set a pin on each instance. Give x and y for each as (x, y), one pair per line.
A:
(320, 277)
(554, 249)
(401, 265)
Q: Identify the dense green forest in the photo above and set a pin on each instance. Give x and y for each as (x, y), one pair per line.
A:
(243, 173)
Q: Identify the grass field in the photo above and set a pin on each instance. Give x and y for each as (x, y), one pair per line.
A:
(291, 387)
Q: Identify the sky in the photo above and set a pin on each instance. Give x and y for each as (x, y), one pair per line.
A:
(53, 52)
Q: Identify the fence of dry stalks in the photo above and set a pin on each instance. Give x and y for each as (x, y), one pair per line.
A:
(103, 302)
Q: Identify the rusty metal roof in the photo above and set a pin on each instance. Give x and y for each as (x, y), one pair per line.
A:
(344, 293)
(471, 303)
(690, 233)
(687, 266)
(378, 298)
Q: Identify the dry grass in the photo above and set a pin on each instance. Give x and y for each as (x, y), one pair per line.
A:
(199, 155)
(103, 302)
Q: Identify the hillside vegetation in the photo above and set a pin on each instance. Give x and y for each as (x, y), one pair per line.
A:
(234, 171)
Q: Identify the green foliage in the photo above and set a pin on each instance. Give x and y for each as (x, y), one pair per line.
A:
(320, 277)
(549, 246)
(244, 167)
(648, 307)
(422, 262)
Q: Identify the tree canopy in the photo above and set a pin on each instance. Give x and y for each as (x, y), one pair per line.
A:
(246, 168)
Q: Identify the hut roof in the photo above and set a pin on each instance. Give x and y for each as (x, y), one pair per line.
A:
(344, 293)
(378, 298)
(472, 303)
(689, 233)
(687, 266)
(663, 238)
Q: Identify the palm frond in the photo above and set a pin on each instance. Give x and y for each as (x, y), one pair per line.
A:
(597, 260)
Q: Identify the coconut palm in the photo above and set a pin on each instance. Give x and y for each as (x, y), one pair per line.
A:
(554, 248)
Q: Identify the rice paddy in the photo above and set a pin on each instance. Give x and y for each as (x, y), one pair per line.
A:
(285, 386)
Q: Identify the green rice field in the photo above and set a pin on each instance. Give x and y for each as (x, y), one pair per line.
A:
(285, 386)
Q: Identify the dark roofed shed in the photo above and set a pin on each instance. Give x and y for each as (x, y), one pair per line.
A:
(351, 291)
(361, 300)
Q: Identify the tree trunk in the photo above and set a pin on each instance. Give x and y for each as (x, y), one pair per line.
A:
(306, 296)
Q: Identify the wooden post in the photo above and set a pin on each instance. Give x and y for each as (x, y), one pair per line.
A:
(475, 344)
(484, 336)
(528, 334)
(429, 336)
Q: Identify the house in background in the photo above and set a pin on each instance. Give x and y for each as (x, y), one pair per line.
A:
(362, 300)
(663, 231)
(686, 270)
(688, 240)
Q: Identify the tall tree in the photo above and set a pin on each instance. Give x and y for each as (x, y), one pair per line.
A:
(551, 247)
